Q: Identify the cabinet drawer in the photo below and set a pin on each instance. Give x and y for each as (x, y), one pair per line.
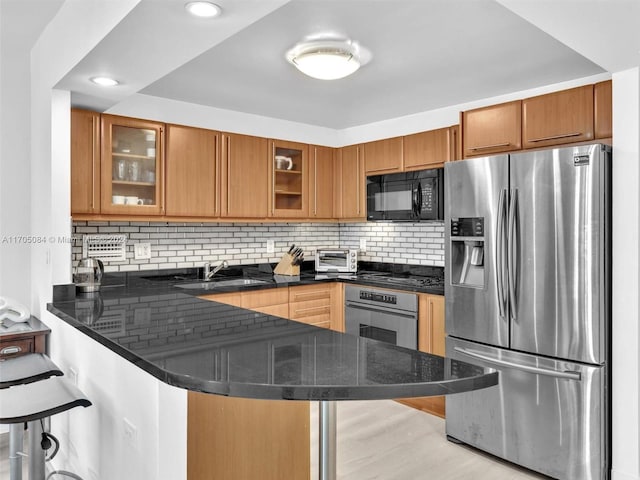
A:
(310, 293)
(558, 118)
(16, 347)
(309, 309)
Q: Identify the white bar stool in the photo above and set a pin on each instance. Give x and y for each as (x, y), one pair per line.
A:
(31, 390)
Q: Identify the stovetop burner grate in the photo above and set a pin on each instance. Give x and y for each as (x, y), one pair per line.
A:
(416, 281)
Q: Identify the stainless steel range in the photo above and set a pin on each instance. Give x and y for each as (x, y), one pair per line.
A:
(391, 317)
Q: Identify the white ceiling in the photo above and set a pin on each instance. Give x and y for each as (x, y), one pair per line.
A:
(426, 54)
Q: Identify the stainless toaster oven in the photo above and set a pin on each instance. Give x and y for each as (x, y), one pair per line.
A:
(336, 260)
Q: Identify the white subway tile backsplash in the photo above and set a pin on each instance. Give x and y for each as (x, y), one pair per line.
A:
(180, 245)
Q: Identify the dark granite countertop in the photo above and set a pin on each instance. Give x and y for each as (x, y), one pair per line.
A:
(210, 347)
(428, 279)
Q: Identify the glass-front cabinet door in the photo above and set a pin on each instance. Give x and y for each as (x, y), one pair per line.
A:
(289, 179)
(132, 166)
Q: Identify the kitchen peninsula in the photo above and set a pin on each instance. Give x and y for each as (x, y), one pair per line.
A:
(255, 364)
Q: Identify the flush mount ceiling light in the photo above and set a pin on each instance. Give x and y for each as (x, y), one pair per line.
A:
(328, 59)
(203, 9)
(104, 81)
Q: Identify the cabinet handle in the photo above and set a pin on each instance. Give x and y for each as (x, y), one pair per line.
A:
(93, 164)
(485, 147)
(556, 137)
(216, 180)
(228, 173)
(160, 176)
(10, 350)
(316, 295)
(273, 178)
(430, 326)
(305, 312)
(315, 181)
(358, 181)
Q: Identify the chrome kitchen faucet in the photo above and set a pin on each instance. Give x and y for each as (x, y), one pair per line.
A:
(208, 273)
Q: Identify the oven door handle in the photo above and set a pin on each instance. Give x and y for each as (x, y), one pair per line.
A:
(359, 306)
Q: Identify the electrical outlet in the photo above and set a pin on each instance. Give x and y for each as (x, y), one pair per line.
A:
(130, 432)
(142, 251)
(271, 248)
(363, 244)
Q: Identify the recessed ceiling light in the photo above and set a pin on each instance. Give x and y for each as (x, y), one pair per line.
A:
(203, 9)
(328, 59)
(104, 81)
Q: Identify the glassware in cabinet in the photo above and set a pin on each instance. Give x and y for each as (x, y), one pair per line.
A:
(132, 166)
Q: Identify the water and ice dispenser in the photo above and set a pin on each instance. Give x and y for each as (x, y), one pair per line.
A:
(467, 251)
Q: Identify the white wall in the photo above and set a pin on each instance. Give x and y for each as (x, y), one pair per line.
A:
(15, 191)
(626, 268)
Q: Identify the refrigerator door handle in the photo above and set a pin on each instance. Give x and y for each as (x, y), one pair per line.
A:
(525, 368)
(500, 247)
(512, 258)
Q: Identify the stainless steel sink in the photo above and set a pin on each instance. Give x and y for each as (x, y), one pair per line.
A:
(235, 282)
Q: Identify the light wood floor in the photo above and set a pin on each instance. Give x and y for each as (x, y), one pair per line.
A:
(385, 440)
(388, 441)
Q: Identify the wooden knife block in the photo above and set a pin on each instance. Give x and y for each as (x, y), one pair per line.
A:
(285, 266)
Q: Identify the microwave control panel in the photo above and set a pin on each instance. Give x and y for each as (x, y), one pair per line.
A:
(427, 196)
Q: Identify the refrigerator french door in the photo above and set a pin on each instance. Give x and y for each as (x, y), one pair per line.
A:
(528, 291)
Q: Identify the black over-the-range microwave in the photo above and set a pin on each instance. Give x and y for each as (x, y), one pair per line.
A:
(406, 197)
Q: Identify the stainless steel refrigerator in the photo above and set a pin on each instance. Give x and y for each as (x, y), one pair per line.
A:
(527, 291)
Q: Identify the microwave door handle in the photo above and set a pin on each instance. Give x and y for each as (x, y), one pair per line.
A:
(415, 199)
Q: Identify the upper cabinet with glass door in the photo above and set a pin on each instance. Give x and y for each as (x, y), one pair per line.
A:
(289, 179)
(132, 166)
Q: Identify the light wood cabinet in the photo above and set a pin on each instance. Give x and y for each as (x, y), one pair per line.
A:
(241, 438)
(558, 118)
(350, 183)
(192, 172)
(229, 298)
(492, 129)
(431, 339)
(132, 166)
(430, 149)
(602, 106)
(271, 301)
(319, 304)
(383, 156)
(321, 182)
(244, 167)
(85, 162)
(289, 173)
